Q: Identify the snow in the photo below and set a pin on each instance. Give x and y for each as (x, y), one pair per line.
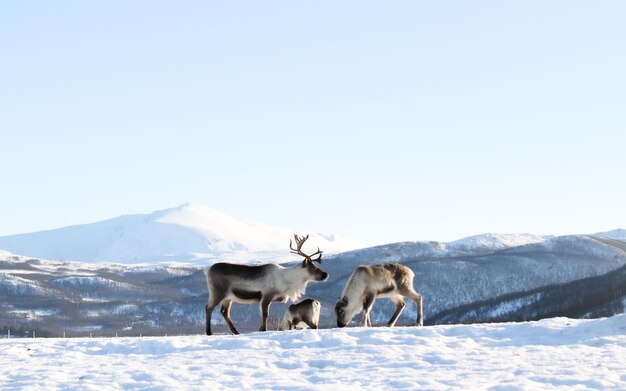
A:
(195, 233)
(86, 269)
(579, 244)
(93, 281)
(510, 306)
(189, 232)
(494, 241)
(33, 314)
(17, 271)
(618, 234)
(549, 354)
(21, 285)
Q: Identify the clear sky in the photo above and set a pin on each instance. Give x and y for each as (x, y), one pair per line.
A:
(382, 121)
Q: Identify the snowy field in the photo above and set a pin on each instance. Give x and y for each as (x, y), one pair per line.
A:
(554, 353)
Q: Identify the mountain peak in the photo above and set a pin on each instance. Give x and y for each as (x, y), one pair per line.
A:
(192, 205)
(188, 232)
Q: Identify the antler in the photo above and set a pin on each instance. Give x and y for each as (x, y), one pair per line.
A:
(298, 250)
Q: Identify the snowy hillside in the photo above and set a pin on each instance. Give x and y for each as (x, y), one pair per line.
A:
(575, 276)
(195, 233)
(618, 234)
(190, 232)
(555, 353)
(493, 241)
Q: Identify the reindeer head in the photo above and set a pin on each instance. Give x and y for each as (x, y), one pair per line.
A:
(346, 310)
(344, 314)
(315, 272)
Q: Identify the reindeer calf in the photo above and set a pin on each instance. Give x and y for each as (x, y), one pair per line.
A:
(307, 312)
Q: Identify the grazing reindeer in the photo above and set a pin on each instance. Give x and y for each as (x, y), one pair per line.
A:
(389, 280)
(307, 311)
(230, 283)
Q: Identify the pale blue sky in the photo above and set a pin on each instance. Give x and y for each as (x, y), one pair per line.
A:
(382, 121)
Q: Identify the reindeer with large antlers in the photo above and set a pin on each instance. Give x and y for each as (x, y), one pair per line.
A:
(231, 283)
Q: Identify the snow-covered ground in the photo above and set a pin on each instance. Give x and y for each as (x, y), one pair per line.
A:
(553, 353)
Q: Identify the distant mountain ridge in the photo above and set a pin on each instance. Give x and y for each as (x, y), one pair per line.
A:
(189, 232)
(195, 233)
(618, 234)
(575, 275)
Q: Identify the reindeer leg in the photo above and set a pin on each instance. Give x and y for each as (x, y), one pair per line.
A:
(399, 307)
(208, 310)
(214, 300)
(420, 312)
(417, 299)
(294, 323)
(265, 310)
(310, 323)
(225, 310)
(368, 302)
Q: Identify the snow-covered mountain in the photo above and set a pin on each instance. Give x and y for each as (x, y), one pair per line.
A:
(494, 241)
(618, 234)
(575, 276)
(195, 233)
(190, 232)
